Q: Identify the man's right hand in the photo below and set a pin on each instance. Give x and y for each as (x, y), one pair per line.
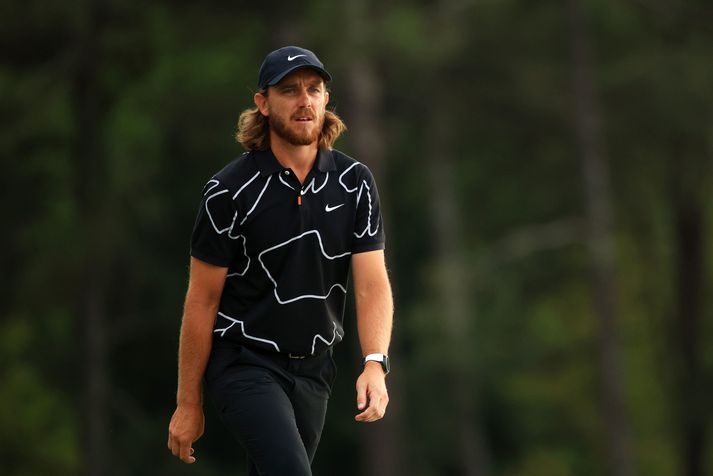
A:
(187, 424)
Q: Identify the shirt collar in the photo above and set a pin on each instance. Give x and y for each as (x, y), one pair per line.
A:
(267, 163)
(325, 161)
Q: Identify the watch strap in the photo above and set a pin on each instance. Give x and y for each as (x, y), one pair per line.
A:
(383, 359)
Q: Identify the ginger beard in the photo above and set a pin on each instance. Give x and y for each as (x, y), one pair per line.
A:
(300, 133)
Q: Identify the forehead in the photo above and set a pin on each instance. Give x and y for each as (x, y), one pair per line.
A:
(304, 75)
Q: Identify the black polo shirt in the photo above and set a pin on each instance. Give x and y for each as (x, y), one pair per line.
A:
(287, 247)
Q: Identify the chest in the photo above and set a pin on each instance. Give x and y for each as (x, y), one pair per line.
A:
(278, 208)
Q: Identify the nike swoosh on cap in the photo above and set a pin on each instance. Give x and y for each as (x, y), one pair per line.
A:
(290, 58)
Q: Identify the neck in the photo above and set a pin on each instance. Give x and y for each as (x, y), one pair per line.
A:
(299, 158)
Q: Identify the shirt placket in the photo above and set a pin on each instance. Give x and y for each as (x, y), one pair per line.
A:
(303, 187)
(291, 179)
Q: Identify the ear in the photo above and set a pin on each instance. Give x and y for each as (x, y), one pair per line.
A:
(261, 103)
(326, 98)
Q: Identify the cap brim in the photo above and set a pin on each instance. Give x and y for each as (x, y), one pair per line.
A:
(322, 72)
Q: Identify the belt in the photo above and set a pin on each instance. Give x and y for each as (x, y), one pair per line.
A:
(221, 343)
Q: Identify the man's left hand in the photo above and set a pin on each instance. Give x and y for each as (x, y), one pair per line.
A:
(371, 390)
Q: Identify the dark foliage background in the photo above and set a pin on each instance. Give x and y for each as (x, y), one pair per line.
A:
(545, 169)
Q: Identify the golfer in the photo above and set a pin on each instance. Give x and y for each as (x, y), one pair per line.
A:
(277, 232)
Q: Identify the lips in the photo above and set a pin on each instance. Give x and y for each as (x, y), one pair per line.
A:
(303, 116)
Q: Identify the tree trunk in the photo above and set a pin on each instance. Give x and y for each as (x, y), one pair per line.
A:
(454, 287)
(381, 453)
(600, 241)
(454, 294)
(96, 409)
(91, 295)
(690, 382)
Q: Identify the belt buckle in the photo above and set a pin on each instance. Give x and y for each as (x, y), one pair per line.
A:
(295, 356)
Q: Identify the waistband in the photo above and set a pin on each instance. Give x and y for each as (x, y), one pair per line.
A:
(226, 344)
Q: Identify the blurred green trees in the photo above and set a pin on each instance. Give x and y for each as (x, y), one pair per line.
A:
(114, 114)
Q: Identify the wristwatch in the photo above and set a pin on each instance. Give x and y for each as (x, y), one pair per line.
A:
(383, 359)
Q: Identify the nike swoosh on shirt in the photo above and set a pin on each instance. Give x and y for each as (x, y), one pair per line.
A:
(328, 209)
(290, 58)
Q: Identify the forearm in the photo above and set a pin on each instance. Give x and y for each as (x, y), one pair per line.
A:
(205, 287)
(375, 308)
(194, 349)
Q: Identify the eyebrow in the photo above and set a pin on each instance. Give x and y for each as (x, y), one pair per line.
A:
(293, 84)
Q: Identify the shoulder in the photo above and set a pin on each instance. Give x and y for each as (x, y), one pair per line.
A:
(349, 169)
(237, 172)
(343, 161)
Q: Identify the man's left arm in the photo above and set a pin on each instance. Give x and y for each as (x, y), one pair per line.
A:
(374, 309)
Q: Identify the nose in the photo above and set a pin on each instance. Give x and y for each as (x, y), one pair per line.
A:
(304, 98)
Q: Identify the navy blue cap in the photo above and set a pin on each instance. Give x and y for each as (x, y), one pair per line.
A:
(283, 61)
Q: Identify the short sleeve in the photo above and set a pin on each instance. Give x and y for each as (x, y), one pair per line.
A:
(368, 224)
(215, 233)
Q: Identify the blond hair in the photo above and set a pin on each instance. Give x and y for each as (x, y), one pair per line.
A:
(254, 130)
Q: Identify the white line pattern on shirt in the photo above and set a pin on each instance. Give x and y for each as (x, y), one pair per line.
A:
(359, 189)
(234, 321)
(215, 227)
(369, 229)
(245, 185)
(208, 189)
(350, 190)
(262, 192)
(312, 186)
(303, 296)
(245, 252)
(318, 336)
(285, 183)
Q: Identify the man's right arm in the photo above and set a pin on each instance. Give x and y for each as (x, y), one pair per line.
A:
(205, 287)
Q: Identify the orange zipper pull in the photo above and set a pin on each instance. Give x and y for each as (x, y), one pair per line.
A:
(299, 199)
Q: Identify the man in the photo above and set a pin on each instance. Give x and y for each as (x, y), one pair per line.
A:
(277, 231)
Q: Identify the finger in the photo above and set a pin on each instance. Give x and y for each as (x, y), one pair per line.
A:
(361, 396)
(371, 412)
(174, 446)
(377, 408)
(186, 451)
(365, 417)
(368, 418)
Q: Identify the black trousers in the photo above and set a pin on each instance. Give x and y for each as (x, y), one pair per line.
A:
(274, 405)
